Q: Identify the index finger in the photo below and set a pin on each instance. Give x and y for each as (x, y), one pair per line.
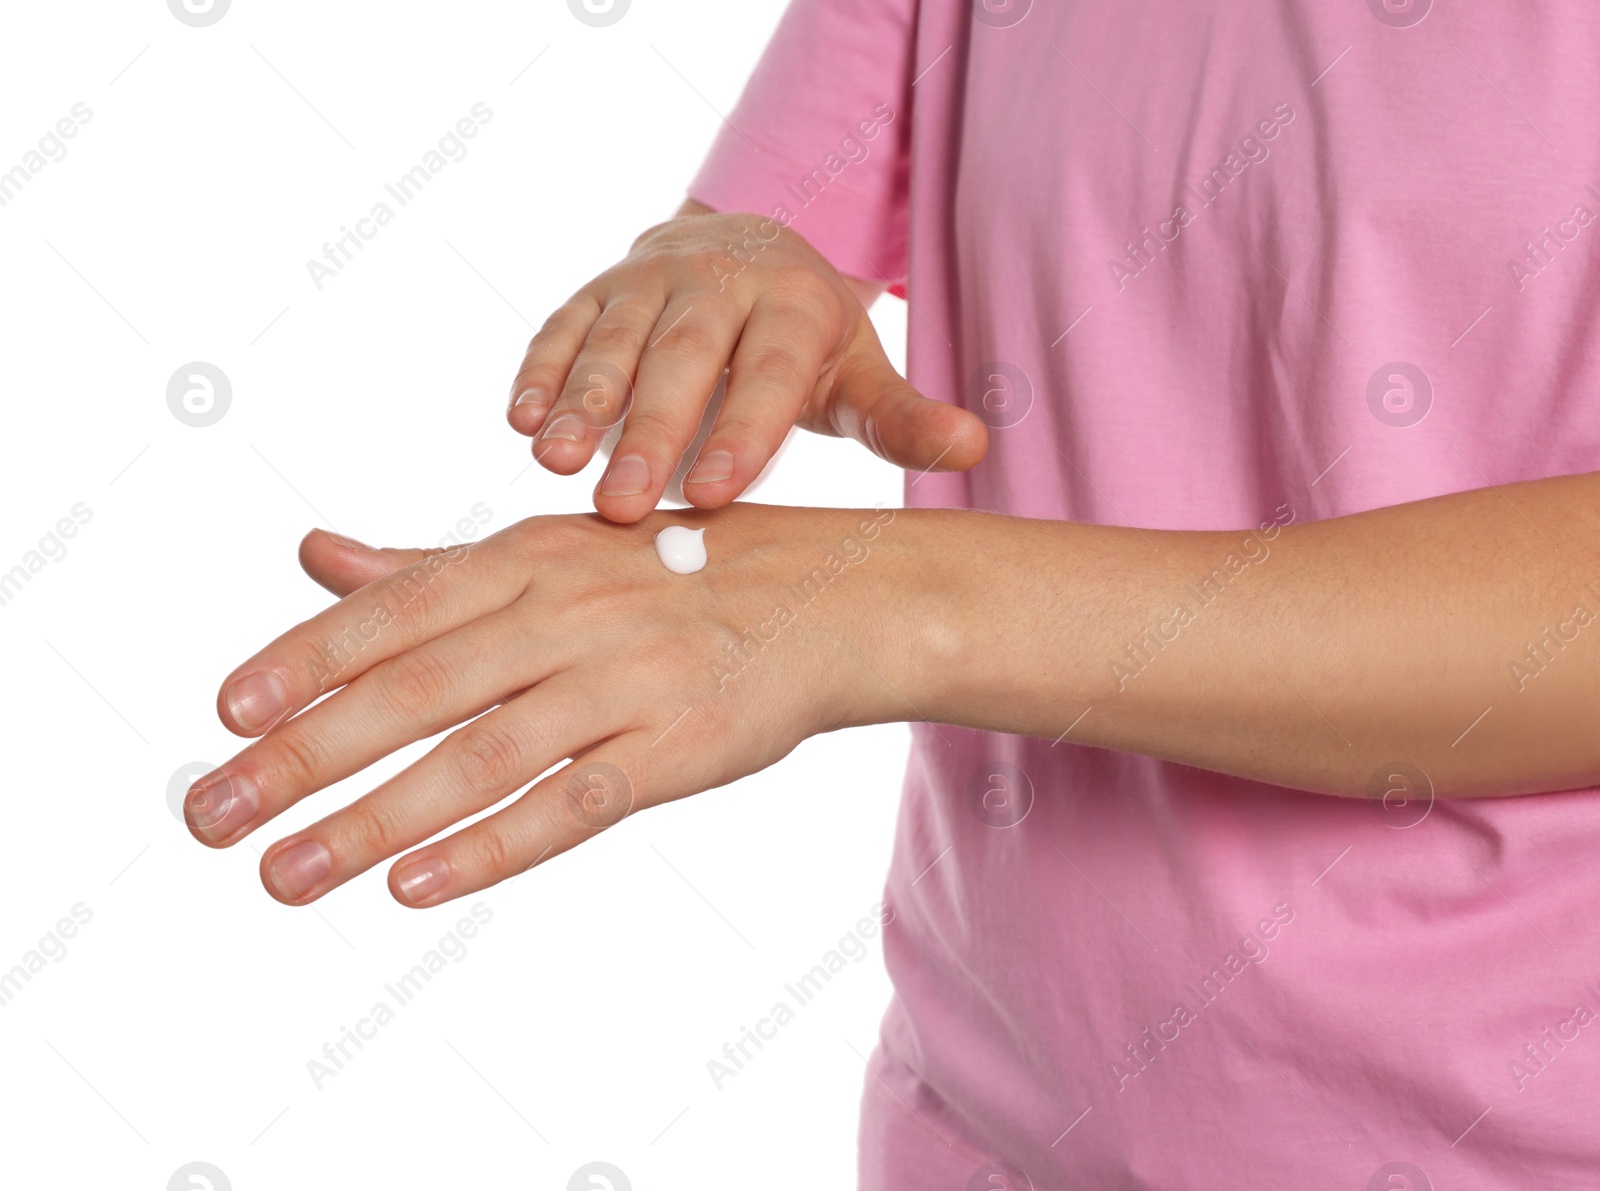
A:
(378, 621)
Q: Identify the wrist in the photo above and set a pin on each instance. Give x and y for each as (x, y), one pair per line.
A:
(994, 618)
(856, 567)
(923, 605)
(814, 592)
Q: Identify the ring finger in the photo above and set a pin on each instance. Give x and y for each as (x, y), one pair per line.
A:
(599, 386)
(407, 698)
(471, 769)
(600, 788)
(548, 360)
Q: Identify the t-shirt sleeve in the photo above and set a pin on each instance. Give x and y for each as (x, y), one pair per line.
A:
(820, 137)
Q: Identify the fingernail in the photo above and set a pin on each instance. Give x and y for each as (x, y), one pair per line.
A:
(348, 542)
(298, 869)
(711, 467)
(535, 398)
(628, 475)
(255, 700)
(418, 880)
(221, 804)
(568, 426)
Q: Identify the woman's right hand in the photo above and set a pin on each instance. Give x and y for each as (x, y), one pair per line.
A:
(650, 338)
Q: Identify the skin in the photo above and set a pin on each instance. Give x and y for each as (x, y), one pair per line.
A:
(697, 294)
(584, 645)
(1327, 652)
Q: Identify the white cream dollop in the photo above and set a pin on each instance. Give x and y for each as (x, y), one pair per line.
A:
(681, 550)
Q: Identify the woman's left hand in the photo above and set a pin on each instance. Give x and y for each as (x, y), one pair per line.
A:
(566, 638)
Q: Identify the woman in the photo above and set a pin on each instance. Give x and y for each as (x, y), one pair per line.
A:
(1242, 602)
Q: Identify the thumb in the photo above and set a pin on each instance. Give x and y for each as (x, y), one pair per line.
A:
(343, 564)
(874, 404)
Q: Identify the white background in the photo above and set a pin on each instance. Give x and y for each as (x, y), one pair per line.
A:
(178, 1026)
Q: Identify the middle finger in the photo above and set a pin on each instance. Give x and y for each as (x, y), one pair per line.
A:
(470, 770)
(407, 698)
(599, 386)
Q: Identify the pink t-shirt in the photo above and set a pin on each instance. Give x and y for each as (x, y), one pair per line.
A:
(1218, 267)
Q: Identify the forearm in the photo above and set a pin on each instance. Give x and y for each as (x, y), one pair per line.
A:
(1304, 654)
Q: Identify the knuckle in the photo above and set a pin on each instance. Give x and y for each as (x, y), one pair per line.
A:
(559, 537)
(649, 425)
(615, 338)
(598, 394)
(744, 429)
(490, 756)
(577, 311)
(323, 662)
(649, 236)
(599, 795)
(779, 365)
(548, 336)
(800, 286)
(557, 330)
(541, 373)
(491, 853)
(409, 594)
(373, 827)
(296, 759)
(537, 537)
(415, 686)
(521, 539)
(694, 340)
(547, 343)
